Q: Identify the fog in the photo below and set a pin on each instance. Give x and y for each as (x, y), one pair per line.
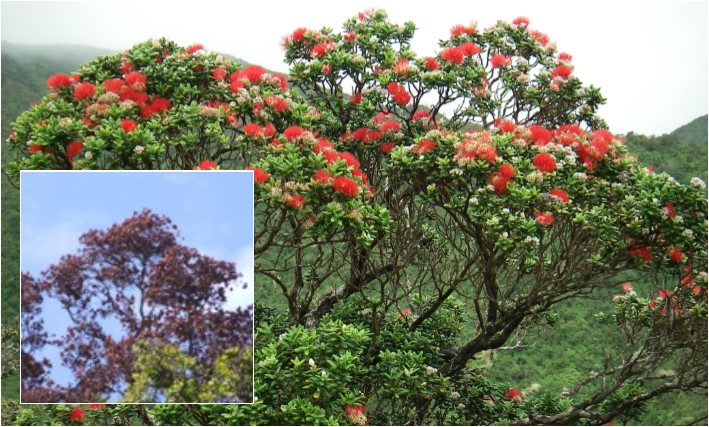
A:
(649, 58)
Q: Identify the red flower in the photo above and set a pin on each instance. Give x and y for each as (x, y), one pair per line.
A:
(470, 48)
(35, 148)
(96, 405)
(505, 126)
(114, 85)
(544, 162)
(559, 194)
(252, 129)
(293, 132)
(357, 414)
(84, 90)
(77, 415)
(356, 98)
(462, 29)
(295, 201)
(561, 71)
(564, 57)
(350, 36)
(514, 394)
(260, 175)
(522, 20)
(627, 287)
(676, 255)
(322, 145)
(282, 80)
(542, 38)
(499, 183)
(345, 186)
(670, 211)
(349, 158)
(58, 80)
(642, 252)
(126, 67)
(207, 165)
(320, 50)
(453, 55)
(507, 171)
(421, 114)
(401, 98)
(194, 48)
(131, 94)
(424, 146)
(431, 64)
(135, 78)
(128, 125)
(540, 135)
(73, 149)
(544, 218)
(390, 126)
(398, 93)
(500, 61)
(386, 147)
(326, 69)
(402, 67)
(219, 74)
(160, 104)
(277, 103)
(298, 34)
(322, 177)
(253, 73)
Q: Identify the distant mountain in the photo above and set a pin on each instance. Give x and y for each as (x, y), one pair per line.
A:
(694, 132)
(681, 153)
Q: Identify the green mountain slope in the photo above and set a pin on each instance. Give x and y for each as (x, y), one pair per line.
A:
(696, 131)
(682, 153)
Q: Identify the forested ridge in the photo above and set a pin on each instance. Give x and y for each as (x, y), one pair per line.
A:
(554, 354)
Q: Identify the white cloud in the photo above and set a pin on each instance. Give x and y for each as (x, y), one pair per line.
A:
(245, 265)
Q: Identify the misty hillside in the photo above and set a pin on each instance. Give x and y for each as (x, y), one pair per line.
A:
(694, 132)
(681, 153)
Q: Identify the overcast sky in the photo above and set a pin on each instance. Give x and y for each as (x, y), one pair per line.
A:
(649, 58)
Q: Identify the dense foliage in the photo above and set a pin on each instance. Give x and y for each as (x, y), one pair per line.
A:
(175, 335)
(415, 213)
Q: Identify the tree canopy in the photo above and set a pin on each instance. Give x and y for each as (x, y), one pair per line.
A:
(161, 294)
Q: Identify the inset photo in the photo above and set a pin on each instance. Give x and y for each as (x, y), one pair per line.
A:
(137, 287)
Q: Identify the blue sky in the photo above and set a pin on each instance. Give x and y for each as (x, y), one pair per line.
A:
(212, 209)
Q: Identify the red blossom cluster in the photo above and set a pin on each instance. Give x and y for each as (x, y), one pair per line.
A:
(73, 149)
(500, 61)
(544, 162)
(505, 125)
(514, 394)
(260, 175)
(253, 75)
(208, 165)
(258, 131)
(398, 93)
(468, 30)
(544, 218)
(59, 80)
(424, 146)
(476, 145)
(357, 415)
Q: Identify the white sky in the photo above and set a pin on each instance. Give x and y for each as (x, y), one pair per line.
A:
(649, 58)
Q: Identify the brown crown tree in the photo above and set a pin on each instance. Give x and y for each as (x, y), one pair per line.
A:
(136, 275)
